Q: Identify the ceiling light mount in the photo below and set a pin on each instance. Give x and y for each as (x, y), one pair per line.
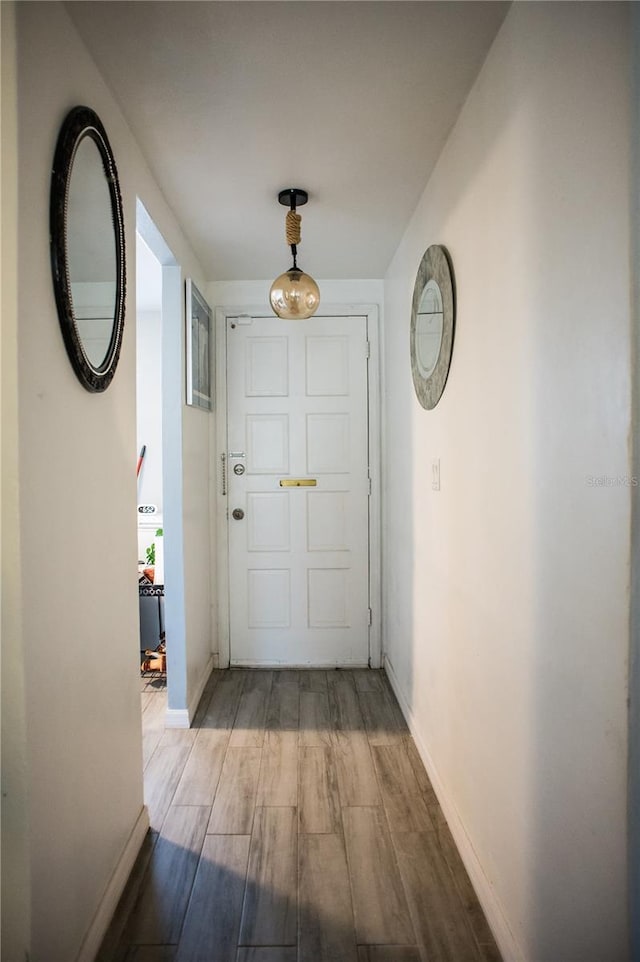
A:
(293, 197)
(294, 295)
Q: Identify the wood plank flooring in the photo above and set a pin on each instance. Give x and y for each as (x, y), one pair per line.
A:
(293, 823)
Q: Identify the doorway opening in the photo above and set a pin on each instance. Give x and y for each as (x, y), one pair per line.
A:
(159, 379)
(149, 466)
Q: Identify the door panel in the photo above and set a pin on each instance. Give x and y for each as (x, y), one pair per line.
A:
(298, 556)
(267, 443)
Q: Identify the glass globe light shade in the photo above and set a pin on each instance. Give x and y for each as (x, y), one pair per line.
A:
(294, 295)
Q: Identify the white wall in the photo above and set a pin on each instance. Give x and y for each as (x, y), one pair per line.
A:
(198, 443)
(77, 454)
(256, 293)
(14, 937)
(149, 416)
(507, 591)
(149, 373)
(149, 423)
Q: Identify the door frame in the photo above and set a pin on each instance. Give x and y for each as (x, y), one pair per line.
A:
(220, 468)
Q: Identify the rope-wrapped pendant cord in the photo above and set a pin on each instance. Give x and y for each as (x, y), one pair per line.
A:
(292, 232)
(292, 227)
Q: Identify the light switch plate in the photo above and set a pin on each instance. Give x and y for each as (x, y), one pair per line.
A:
(435, 474)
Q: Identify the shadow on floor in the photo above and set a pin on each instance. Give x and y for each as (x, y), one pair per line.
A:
(294, 821)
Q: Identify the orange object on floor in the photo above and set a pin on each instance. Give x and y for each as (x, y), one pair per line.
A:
(154, 663)
(155, 660)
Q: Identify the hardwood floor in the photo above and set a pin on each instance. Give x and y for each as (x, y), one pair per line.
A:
(293, 823)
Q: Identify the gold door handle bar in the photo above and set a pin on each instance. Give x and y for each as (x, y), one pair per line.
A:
(298, 482)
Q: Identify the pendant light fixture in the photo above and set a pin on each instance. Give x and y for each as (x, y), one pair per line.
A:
(294, 295)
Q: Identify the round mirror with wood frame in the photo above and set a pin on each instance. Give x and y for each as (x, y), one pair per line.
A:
(432, 325)
(88, 248)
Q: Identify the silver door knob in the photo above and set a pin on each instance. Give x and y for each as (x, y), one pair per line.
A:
(237, 514)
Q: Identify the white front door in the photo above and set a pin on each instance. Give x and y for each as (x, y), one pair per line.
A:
(298, 493)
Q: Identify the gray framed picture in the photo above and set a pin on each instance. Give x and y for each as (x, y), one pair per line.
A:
(199, 349)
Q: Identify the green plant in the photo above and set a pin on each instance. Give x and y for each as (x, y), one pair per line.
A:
(151, 550)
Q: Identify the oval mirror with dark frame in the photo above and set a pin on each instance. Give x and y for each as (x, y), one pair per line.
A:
(432, 325)
(87, 248)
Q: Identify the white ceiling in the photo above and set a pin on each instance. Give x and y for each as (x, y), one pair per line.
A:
(232, 101)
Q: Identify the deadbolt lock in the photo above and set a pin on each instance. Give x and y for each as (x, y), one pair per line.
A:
(239, 469)
(237, 514)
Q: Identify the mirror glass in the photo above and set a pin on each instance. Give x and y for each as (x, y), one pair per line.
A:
(429, 327)
(91, 252)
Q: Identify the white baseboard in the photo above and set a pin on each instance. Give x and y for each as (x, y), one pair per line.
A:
(303, 665)
(197, 695)
(182, 717)
(487, 897)
(177, 718)
(115, 887)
